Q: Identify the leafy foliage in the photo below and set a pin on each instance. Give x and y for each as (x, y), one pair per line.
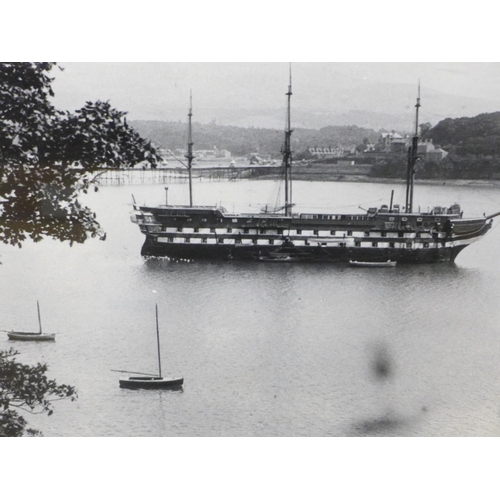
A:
(391, 167)
(477, 135)
(473, 144)
(24, 387)
(49, 157)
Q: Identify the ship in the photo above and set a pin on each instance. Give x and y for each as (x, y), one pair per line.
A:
(390, 232)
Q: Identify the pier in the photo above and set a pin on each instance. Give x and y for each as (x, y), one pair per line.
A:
(166, 175)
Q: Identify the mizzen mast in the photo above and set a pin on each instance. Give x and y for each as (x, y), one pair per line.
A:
(287, 154)
(412, 160)
(158, 341)
(39, 318)
(189, 154)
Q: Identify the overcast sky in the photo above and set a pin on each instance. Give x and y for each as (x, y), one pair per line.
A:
(152, 90)
(261, 31)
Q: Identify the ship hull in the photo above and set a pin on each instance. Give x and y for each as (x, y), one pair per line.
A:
(179, 251)
(202, 233)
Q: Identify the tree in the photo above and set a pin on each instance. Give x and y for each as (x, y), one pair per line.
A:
(49, 157)
(390, 166)
(24, 387)
(424, 129)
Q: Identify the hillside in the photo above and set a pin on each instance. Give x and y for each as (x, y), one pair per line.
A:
(242, 141)
(479, 135)
(473, 146)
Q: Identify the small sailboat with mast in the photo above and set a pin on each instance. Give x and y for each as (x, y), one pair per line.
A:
(148, 380)
(32, 336)
(392, 233)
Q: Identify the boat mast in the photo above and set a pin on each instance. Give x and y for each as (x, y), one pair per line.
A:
(412, 160)
(189, 154)
(158, 341)
(287, 154)
(39, 319)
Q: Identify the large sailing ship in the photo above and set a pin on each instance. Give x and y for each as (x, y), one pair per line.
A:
(387, 233)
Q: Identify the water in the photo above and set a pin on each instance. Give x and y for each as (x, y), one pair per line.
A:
(265, 349)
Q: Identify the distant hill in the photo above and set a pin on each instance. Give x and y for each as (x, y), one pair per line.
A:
(368, 95)
(479, 135)
(473, 144)
(320, 103)
(242, 141)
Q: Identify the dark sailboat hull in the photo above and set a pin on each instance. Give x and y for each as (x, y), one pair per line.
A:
(151, 383)
(31, 337)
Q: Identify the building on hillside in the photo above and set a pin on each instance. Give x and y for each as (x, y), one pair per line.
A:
(428, 151)
(205, 154)
(399, 145)
(392, 142)
(256, 159)
(332, 152)
(366, 147)
(212, 154)
(386, 140)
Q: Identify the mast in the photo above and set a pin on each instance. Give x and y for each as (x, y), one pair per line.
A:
(412, 160)
(158, 340)
(287, 153)
(189, 154)
(39, 319)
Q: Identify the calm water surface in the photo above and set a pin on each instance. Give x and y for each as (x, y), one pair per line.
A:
(265, 349)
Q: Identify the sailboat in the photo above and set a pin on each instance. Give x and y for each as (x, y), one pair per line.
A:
(149, 381)
(393, 232)
(32, 336)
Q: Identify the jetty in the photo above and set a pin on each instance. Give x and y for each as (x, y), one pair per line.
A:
(164, 175)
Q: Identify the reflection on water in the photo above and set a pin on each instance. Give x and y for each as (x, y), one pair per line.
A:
(383, 426)
(265, 350)
(382, 368)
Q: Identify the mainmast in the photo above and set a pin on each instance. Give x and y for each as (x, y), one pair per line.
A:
(189, 154)
(158, 341)
(287, 154)
(412, 160)
(39, 319)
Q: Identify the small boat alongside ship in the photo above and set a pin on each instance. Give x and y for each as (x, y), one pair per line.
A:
(387, 233)
(32, 336)
(388, 263)
(150, 381)
(280, 257)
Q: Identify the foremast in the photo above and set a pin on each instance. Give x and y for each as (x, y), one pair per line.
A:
(412, 160)
(287, 153)
(189, 156)
(158, 341)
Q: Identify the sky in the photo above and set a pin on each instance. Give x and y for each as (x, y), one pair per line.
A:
(125, 80)
(210, 46)
(243, 93)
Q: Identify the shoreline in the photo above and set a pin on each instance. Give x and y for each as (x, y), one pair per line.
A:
(160, 175)
(432, 182)
(385, 180)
